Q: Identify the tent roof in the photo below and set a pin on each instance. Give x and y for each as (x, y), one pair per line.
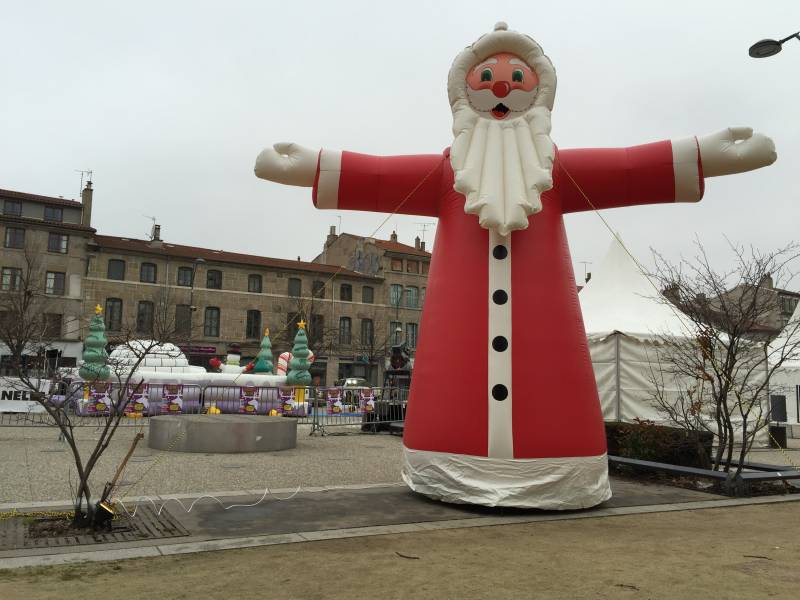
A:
(619, 297)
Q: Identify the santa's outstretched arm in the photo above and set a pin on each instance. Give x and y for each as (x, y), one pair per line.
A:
(661, 172)
(408, 185)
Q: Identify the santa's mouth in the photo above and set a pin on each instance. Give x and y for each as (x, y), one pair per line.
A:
(500, 111)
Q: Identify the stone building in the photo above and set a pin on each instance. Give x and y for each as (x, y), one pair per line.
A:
(44, 252)
(354, 296)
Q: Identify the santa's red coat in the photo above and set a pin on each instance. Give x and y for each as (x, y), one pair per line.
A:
(547, 407)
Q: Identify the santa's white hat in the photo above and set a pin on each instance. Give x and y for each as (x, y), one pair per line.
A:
(502, 40)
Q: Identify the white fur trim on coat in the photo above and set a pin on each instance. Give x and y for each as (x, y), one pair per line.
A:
(330, 171)
(545, 483)
(685, 155)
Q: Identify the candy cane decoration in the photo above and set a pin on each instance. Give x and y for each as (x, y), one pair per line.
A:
(283, 362)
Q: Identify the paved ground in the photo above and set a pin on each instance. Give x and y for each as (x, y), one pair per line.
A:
(36, 466)
(743, 552)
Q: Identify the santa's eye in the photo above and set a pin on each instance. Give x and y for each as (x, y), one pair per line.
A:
(516, 75)
(486, 75)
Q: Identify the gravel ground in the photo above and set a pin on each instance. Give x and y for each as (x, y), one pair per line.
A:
(35, 466)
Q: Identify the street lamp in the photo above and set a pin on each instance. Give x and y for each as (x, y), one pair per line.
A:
(765, 48)
(197, 262)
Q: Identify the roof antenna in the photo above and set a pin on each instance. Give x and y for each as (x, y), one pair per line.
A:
(586, 275)
(88, 174)
(152, 235)
(424, 227)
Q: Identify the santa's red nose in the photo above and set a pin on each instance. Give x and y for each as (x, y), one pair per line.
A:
(501, 89)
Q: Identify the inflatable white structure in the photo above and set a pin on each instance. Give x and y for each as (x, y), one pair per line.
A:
(166, 363)
(623, 317)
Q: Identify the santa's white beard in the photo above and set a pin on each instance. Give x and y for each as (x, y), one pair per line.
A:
(502, 167)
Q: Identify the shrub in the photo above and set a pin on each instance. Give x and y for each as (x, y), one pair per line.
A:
(644, 440)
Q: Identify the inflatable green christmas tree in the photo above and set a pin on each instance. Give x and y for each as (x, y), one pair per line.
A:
(95, 358)
(264, 358)
(298, 366)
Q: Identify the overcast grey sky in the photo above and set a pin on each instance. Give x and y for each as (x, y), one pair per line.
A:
(170, 102)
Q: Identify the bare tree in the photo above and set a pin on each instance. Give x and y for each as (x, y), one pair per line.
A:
(25, 331)
(717, 378)
(24, 306)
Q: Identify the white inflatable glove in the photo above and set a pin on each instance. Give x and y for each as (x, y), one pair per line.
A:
(735, 150)
(288, 163)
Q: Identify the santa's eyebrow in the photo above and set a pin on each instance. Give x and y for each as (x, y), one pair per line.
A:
(518, 61)
(491, 61)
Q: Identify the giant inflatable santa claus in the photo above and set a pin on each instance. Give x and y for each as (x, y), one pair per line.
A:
(501, 304)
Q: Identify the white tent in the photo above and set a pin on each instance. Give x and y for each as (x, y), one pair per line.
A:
(623, 315)
(786, 379)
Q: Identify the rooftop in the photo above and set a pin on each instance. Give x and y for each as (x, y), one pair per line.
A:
(391, 246)
(189, 253)
(12, 195)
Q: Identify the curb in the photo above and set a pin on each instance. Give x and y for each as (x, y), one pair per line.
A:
(330, 534)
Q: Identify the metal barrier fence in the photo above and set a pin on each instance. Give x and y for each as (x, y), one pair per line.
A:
(89, 405)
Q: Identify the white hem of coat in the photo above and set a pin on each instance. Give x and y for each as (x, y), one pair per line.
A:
(544, 483)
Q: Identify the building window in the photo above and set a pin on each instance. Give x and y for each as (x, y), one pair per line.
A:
(15, 237)
(147, 273)
(211, 324)
(253, 324)
(144, 317)
(788, 304)
(214, 279)
(395, 332)
(54, 214)
(54, 283)
(397, 264)
(291, 326)
(12, 279)
(412, 297)
(411, 335)
(395, 294)
(344, 330)
(57, 242)
(113, 314)
(422, 297)
(346, 292)
(116, 269)
(12, 208)
(295, 287)
(367, 333)
(425, 267)
(318, 289)
(185, 276)
(412, 266)
(52, 325)
(367, 295)
(254, 284)
(183, 319)
(317, 328)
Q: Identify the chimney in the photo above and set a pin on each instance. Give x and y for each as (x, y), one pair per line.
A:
(332, 237)
(86, 201)
(155, 236)
(393, 237)
(422, 246)
(416, 242)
